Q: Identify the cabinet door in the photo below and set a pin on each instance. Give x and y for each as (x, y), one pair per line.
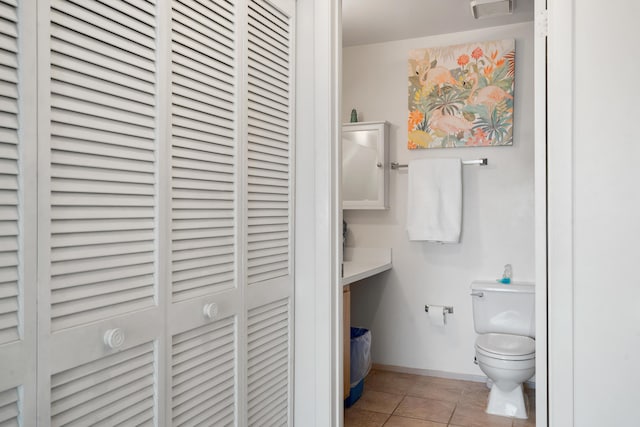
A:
(365, 165)
(100, 318)
(162, 193)
(17, 213)
(268, 228)
(206, 307)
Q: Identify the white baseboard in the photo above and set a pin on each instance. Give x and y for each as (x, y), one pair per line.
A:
(438, 374)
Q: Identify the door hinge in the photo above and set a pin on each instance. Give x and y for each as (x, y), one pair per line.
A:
(542, 23)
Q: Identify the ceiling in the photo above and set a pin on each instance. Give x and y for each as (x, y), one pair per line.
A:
(375, 21)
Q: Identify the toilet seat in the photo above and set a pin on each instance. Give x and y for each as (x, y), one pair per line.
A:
(506, 347)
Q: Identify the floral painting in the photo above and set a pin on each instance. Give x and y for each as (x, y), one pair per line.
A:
(461, 96)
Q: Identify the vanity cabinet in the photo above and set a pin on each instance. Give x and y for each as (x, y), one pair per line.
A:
(365, 165)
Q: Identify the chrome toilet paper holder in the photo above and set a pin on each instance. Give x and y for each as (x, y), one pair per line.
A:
(447, 309)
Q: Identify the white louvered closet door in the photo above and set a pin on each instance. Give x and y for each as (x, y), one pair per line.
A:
(205, 311)
(101, 323)
(146, 205)
(269, 211)
(17, 214)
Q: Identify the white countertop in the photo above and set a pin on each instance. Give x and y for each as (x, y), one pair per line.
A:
(360, 263)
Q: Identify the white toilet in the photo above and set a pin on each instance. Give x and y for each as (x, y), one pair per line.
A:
(503, 315)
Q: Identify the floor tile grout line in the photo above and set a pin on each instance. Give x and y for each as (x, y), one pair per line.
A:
(453, 412)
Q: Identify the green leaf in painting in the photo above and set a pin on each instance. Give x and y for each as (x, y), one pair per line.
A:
(450, 101)
(471, 117)
(500, 73)
(505, 84)
(496, 127)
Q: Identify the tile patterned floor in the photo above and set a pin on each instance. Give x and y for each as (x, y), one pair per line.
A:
(393, 399)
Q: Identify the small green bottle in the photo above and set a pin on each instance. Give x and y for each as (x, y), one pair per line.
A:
(354, 116)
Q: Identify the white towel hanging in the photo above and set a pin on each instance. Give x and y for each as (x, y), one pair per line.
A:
(434, 209)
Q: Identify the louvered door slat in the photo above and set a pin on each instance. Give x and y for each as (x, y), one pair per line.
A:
(268, 139)
(102, 155)
(263, 95)
(199, 95)
(209, 13)
(265, 157)
(147, 6)
(268, 361)
(275, 119)
(102, 87)
(8, 11)
(9, 407)
(268, 220)
(192, 33)
(262, 73)
(276, 17)
(269, 106)
(82, 20)
(138, 111)
(203, 374)
(116, 388)
(266, 59)
(102, 160)
(104, 288)
(203, 110)
(215, 75)
(70, 139)
(107, 65)
(265, 32)
(276, 59)
(9, 180)
(211, 24)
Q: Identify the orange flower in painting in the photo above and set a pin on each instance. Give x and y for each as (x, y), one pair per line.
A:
(494, 55)
(500, 63)
(415, 118)
(478, 138)
(488, 70)
(463, 60)
(411, 145)
(477, 53)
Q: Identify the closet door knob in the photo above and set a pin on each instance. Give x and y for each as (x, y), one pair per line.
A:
(210, 310)
(114, 338)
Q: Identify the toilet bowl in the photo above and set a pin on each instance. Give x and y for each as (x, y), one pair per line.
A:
(508, 360)
(503, 317)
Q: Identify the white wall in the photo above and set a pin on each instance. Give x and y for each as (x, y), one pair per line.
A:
(498, 219)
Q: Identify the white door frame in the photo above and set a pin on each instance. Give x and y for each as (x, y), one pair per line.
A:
(318, 297)
(540, 180)
(319, 304)
(560, 101)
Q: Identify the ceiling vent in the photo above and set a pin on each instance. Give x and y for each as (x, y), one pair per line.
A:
(489, 8)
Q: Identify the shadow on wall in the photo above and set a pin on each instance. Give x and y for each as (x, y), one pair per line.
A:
(366, 297)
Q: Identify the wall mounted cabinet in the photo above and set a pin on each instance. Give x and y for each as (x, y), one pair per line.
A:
(365, 165)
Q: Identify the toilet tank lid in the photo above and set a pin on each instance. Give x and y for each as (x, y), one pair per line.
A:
(493, 286)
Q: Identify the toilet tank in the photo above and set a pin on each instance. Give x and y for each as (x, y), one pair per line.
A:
(502, 308)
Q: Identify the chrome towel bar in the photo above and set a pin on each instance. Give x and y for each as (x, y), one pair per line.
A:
(481, 162)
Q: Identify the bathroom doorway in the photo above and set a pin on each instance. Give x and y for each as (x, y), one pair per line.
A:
(361, 90)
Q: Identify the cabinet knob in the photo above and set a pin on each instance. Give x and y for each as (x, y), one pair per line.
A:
(114, 338)
(379, 164)
(210, 310)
